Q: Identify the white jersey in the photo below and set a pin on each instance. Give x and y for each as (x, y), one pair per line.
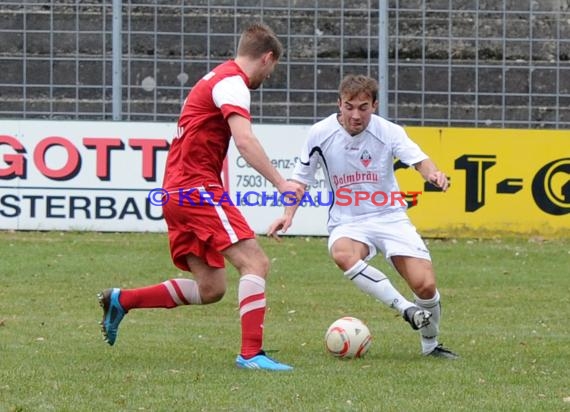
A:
(357, 167)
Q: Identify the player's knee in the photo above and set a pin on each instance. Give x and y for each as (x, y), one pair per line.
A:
(344, 259)
(258, 265)
(212, 293)
(262, 265)
(425, 289)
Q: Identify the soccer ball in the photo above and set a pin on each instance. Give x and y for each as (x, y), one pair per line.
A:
(348, 337)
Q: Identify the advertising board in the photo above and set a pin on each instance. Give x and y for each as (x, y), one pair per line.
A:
(101, 176)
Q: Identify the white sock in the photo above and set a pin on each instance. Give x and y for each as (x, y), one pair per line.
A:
(430, 332)
(374, 283)
(251, 285)
(188, 290)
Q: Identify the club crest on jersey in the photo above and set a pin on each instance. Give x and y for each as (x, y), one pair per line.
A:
(365, 158)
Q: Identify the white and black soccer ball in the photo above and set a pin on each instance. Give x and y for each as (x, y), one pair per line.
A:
(348, 337)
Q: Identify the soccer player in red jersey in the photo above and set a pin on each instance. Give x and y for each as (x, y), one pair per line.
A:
(204, 233)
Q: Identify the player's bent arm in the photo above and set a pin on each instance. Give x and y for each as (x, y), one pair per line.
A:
(290, 210)
(432, 174)
(250, 148)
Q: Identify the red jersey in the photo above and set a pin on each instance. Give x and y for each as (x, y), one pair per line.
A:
(197, 154)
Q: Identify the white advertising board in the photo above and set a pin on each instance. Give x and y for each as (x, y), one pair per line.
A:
(74, 175)
(260, 201)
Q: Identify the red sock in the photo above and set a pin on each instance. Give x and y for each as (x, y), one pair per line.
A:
(252, 313)
(252, 333)
(155, 296)
(168, 294)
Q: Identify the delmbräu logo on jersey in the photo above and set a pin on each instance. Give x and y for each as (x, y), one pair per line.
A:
(365, 158)
(356, 177)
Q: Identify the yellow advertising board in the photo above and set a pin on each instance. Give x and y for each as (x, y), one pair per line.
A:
(502, 181)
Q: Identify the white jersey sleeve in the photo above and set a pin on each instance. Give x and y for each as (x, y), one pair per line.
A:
(231, 91)
(403, 147)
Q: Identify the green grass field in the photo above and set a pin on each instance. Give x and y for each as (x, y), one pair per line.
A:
(505, 311)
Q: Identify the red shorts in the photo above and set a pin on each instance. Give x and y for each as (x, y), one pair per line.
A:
(203, 223)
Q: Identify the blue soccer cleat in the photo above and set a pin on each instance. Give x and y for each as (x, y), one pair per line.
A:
(261, 361)
(113, 313)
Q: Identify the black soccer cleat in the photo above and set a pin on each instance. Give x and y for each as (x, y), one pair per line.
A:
(416, 317)
(441, 352)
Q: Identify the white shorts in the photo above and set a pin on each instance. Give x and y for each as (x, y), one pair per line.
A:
(392, 238)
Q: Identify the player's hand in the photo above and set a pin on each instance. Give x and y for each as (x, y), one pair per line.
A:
(292, 190)
(439, 179)
(280, 224)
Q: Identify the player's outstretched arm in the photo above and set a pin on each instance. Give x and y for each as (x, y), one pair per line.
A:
(283, 223)
(432, 174)
(250, 148)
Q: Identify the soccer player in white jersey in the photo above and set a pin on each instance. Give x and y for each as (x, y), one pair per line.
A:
(356, 149)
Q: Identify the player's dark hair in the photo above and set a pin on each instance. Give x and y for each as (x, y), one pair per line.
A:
(354, 84)
(257, 39)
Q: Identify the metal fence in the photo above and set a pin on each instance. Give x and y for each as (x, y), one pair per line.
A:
(450, 63)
